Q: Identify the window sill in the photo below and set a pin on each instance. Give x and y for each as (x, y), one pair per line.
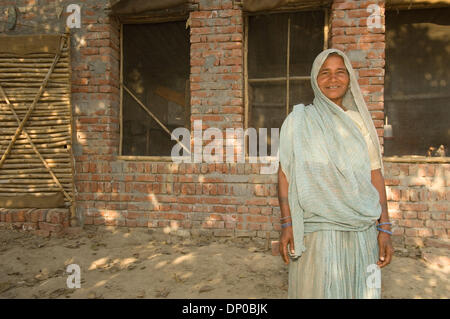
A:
(416, 159)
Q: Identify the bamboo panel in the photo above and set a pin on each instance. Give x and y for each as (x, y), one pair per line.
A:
(21, 195)
(39, 123)
(31, 160)
(38, 141)
(55, 106)
(47, 127)
(29, 190)
(42, 151)
(45, 56)
(49, 61)
(36, 81)
(41, 146)
(36, 113)
(44, 98)
(35, 69)
(34, 168)
(48, 130)
(39, 130)
(15, 91)
(25, 64)
(46, 176)
(19, 182)
(32, 155)
(36, 85)
(42, 137)
(36, 118)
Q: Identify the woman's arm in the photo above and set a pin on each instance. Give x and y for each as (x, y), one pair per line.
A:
(287, 236)
(384, 239)
(378, 182)
(283, 190)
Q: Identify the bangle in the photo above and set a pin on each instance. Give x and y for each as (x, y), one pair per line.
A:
(285, 217)
(384, 224)
(381, 229)
(286, 225)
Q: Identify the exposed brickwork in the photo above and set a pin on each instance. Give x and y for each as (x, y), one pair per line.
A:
(43, 222)
(418, 201)
(213, 199)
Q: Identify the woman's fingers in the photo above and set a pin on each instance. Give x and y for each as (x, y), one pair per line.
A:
(381, 260)
(386, 253)
(291, 245)
(282, 249)
(285, 253)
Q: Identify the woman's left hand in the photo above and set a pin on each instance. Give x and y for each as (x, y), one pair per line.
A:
(386, 249)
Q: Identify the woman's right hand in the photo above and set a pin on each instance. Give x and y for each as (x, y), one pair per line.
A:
(286, 238)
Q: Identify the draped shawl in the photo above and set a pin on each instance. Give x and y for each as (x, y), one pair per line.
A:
(326, 161)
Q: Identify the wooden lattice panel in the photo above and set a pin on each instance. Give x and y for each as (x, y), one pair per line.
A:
(47, 167)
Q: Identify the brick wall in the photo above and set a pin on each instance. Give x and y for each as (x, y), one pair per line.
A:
(418, 196)
(213, 199)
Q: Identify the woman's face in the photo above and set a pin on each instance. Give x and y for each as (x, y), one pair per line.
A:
(333, 79)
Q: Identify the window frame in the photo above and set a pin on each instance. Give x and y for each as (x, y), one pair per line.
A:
(146, 20)
(412, 159)
(287, 78)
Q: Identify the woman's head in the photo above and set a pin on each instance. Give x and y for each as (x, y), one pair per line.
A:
(333, 78)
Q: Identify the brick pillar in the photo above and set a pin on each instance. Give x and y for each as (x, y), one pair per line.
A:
(351, 32)
(95, 99)
(217, 65)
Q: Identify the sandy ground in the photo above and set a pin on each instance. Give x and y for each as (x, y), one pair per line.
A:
(139, 263)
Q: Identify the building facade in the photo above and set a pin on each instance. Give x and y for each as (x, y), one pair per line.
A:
(231, 64)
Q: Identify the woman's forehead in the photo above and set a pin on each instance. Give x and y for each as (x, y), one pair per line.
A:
(333, 61)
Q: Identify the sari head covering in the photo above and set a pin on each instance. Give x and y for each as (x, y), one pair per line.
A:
(326, 161)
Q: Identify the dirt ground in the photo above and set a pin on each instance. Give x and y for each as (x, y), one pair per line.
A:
(139, 263)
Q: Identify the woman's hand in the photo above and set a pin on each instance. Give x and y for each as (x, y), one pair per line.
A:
(385, 248)
(286, 237)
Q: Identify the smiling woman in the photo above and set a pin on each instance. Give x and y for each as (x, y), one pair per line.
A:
(331, 189)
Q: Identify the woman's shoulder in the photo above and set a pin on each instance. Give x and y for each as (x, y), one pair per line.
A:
(296, 111)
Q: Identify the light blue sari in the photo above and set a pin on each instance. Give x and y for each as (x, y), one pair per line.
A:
(334, 206)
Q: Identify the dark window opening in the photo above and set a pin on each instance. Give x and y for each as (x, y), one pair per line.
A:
(156, 70)
(270, 96)
(417, 81)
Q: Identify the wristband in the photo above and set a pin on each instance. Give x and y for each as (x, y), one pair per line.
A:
(383, 230)
(285, 217)
(384, 224)
(286, 225)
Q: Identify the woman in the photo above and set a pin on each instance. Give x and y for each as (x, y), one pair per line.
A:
(332, 196)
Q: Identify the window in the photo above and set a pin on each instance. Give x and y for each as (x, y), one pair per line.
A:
(281, 50)
(156, 72)
(417, 80)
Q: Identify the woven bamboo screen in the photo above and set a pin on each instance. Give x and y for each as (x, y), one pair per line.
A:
(36, 166)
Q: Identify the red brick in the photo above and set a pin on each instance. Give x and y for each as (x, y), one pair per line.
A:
(437, 224)
(440, 207)
(18, 216)
(411, 223)
(413, 207)
(344, 5)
